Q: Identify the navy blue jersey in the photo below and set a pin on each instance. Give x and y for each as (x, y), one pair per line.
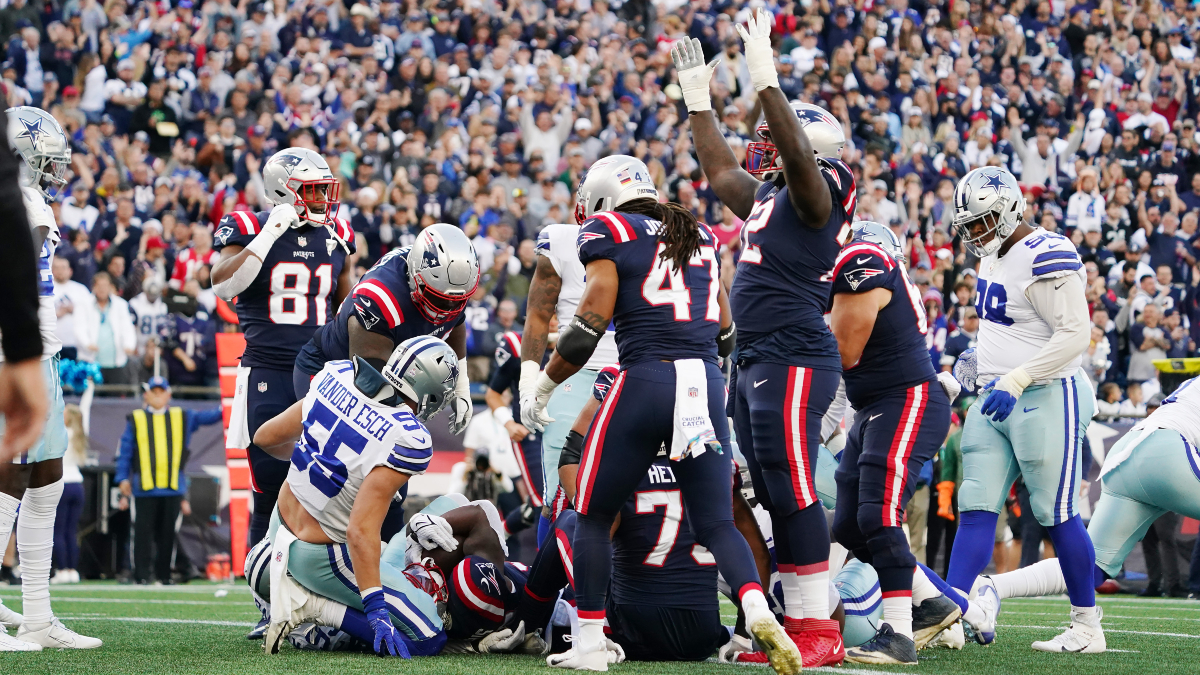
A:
(895, 356)
(661, 314)
(292, 295)
(383, 304)
(656, 560)
(196, 337)
(507, 373)
(783, 277)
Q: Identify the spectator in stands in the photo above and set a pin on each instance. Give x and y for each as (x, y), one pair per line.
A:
(67, 294)
(104, 331)
(70, 505)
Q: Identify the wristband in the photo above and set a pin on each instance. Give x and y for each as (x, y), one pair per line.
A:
(503, 414)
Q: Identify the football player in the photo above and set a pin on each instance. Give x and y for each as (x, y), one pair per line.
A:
(354, 442)
(420, 289)
(527, 445)
(797, 199)
(34, 480)
(557, 286)
(1154, 469)
(653, 272)
(902, 415)
(1036, 401)
(288, 270)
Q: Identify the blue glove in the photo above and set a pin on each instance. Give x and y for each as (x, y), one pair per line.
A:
(999, 405)
(388, 641)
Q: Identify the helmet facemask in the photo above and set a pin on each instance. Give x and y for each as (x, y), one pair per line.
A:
(969, 228)
(438, 307)
(316, 200)
(46, 170)
(762, 158)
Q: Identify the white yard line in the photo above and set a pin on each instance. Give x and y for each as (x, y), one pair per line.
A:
(1108, 630)
(131, 601)
(139, 619)
(1164, 604)
(1111, 616)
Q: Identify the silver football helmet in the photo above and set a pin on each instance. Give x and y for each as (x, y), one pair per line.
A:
(301, 177)
(991, 197)
(424, 370)
(609, 183)
(443, 272)
(824, 132)
(39, 140)
(880, 235)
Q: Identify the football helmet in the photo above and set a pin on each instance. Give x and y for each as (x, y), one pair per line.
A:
(301, 177)
(990, 196)
(443, 272)
(609, 183)
(880, 235)
(824, 133)
(39, 140)
(423, 369)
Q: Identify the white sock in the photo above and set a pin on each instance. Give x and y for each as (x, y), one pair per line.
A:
(814, 594)
(591, 634)
(922, 588)
(754, 606)
(8, 516)
(793, 600)
(35, 545)
(1089, 616)
(1044, 577)
(332, 614)
(897, 613)
(974, 615)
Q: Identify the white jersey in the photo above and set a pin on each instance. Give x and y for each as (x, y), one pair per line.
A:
(346, 435)
(1179, 412)
(557, 243)
(1010, 331)
(147, 317)
(40, 215)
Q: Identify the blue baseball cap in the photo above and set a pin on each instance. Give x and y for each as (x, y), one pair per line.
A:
(157, 382)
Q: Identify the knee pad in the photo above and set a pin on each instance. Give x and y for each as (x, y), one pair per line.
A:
(889, 548)
(846, 530)
(870, 519)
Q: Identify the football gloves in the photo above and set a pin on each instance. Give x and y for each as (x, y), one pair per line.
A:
(283, 217)
(760, 59)
(432, 532)
(951, 385)
(387, 639)
(502, 641)
(1005, 392)
(460, 406)
(966, 370)
(694, 74)
(533, 404)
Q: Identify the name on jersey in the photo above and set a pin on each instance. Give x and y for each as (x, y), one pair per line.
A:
(661, 474)
(344, 401)
(304, 254)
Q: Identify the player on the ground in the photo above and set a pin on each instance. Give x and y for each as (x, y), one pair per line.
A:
(557, 286)
(1154, 469)
(527, 445)
(354, 442)
(652, 271)
(34, 480)
(902, 415)
(798, 201)
(1036, 402)
(287, 268)
(416, 290)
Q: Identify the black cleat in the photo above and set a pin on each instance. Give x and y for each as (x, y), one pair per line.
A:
(259, 631)
(885, 648)
(932, 617)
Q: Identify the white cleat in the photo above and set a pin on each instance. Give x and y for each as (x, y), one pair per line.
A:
(596, 659)
(12, 644)
(983, 611)
(1080, 638)
(10, 618)
(951, 638)
(309, 612)
(55, 635)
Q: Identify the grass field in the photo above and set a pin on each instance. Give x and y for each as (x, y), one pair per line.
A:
(199, 629)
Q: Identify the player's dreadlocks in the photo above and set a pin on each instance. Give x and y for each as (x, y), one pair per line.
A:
(680, 232)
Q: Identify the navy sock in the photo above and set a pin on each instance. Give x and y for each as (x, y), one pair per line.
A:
(355, 623)
(944, 587)
(1099, 576)
(1077, 559)
(807, 535)
(972, 548)
(592, 561)
(544, 526)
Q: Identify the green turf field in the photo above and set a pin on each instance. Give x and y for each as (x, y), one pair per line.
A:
(199, 629)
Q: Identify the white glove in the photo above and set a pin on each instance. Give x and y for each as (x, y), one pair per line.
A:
(282, 217)
(460, 405)
(760, 59)
(533, 404)
(951, 385)
(615, 653)
(432, 532)
(502, 640)
(526, 387)
(694, 74)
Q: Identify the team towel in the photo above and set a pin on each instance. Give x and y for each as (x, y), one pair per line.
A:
(693, 433)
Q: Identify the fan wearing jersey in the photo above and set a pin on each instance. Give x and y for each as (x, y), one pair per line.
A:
(416, 290)
(1036, 402)
(557, 286)
(1154, 469)
(527, 445)
(287, 268)
(33, 481)
(354, 442)
(797, 198)
(902, 416)
(652, 271)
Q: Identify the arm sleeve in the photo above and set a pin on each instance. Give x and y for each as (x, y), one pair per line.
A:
(125, 453)
(1065, 309)
(18, 269)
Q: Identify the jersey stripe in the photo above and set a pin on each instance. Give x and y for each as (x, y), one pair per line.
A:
(344, 231)
(247, 222)
(590, 465)
(1054, 255)
(901, 450)
(861, 248)
(1063, 266)
(514, 343)
(621, 231)
(795, 426)
(473, 597)
(387, 301)
(535, 496)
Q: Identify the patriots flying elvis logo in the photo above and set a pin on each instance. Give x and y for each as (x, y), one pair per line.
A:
(856, 277)
(289, 162)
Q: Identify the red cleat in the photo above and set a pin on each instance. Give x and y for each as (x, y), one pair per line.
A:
(819, 641)
(759, 658)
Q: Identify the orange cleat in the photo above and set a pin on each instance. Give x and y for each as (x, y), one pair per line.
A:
(819, 641)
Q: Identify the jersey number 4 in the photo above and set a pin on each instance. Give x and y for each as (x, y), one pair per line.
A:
(648, 502)
(291, 287)
(664, 285)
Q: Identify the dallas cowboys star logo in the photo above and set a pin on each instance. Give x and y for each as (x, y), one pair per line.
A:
(289, 162)
(33, 130)
(992, 181)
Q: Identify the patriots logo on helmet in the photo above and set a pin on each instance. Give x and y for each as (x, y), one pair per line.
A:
(429, 258)
(856, 277)
(33, 129)
(289, 162)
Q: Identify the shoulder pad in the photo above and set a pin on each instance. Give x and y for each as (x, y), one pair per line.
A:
(543, 242)
(617, 224)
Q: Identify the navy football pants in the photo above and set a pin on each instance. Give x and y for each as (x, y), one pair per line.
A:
(777, 412)
(891, 439)
(623, 441)
(270, 392)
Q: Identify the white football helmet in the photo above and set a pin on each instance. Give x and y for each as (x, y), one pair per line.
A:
(301, 177)
(824, 132)
(38, 139)
(423, 369)
(443, 272)
(990, 196)
(610, 182)
(880, 235)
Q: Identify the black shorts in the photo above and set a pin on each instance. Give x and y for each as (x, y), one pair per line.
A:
(650, 633)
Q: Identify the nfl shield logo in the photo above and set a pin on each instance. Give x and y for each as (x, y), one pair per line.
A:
(262, 386)
(693, 392)
(303, 241)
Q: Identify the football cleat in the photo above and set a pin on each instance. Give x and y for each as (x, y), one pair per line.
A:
(887, 647)
(819, 641)
(1080, 638)
(309, 612)
(987, 601)
(10, 618)
(311, 637)
(951, 638)
(757, 658)
(932, 617)
(259, 630)
(56, 636)
(9, 643)
(782, 652)
(598, 659)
